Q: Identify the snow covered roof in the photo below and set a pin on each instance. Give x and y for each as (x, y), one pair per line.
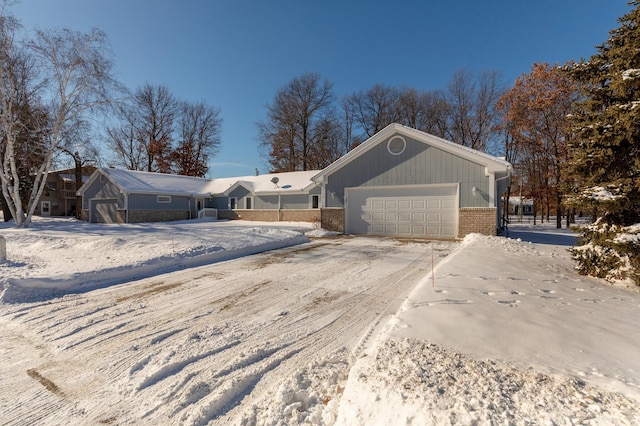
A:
(137, 182)
(269, 183)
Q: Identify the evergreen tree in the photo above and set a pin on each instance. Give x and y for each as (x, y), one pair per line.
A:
(605, 156)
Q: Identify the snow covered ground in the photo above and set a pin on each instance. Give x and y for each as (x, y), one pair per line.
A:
(177, 324)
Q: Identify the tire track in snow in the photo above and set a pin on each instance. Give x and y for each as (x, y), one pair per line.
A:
(209, 342)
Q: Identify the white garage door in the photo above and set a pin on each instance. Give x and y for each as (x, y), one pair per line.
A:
(425, 211)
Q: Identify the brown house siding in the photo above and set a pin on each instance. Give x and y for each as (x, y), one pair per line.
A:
(480, 220)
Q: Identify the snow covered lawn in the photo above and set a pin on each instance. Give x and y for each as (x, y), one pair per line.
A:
(131, 324)
(509, 334)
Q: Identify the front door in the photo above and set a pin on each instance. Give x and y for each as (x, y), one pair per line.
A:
(45, 208)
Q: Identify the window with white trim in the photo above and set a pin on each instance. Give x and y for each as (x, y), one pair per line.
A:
(233, 203)
(248, 203)
(163, 199)
(315, 201)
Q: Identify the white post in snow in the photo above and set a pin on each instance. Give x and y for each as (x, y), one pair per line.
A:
(3, 248)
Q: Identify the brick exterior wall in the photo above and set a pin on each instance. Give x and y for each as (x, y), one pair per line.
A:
(257, 215)
(137, 216)
(271, 215)
(480, 220)
(332, 219)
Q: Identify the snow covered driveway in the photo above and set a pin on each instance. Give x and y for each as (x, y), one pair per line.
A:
(252, 340)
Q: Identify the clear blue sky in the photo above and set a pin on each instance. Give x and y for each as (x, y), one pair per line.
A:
(236, 54)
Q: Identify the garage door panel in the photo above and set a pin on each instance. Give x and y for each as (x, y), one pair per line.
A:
(404, 204)
(377, 229)
(434, 217)
(404, 229)
(377, 204)
(448, 218)
(418, 230)
(404, 217)
(448, 204)
(391, 229)
(419, 211)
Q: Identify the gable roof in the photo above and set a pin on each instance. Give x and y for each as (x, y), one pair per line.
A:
(491, 163)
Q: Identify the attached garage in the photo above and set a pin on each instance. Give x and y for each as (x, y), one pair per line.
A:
(404, 182)
(422, 211)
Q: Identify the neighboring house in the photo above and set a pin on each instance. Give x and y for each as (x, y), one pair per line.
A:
(399, 182)
(59, 195)
(520, 204)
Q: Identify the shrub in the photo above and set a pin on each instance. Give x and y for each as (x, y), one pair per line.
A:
(609, 251)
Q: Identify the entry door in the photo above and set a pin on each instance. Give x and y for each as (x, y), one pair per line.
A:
(45, 208)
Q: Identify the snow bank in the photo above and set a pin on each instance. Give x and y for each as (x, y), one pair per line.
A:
(57, 256)
(411, 381)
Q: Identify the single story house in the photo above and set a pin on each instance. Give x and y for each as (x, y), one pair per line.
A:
(401, 182)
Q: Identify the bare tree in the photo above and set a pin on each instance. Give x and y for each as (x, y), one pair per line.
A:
(22, 121)
(126, 149)
(156, 110)
(200, 138)
(471, 104)
(374, 109)
(75, 71)
(426, 111)
(77, 68)
(300, 123)
(144, 138)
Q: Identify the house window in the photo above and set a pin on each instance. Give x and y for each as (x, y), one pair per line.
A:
(164, 199)
(315, 201)
(396, 145)
(248, 203)
(233, 202)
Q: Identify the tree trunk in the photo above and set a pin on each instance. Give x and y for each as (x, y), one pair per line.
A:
(559, 212)
(78, 172)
